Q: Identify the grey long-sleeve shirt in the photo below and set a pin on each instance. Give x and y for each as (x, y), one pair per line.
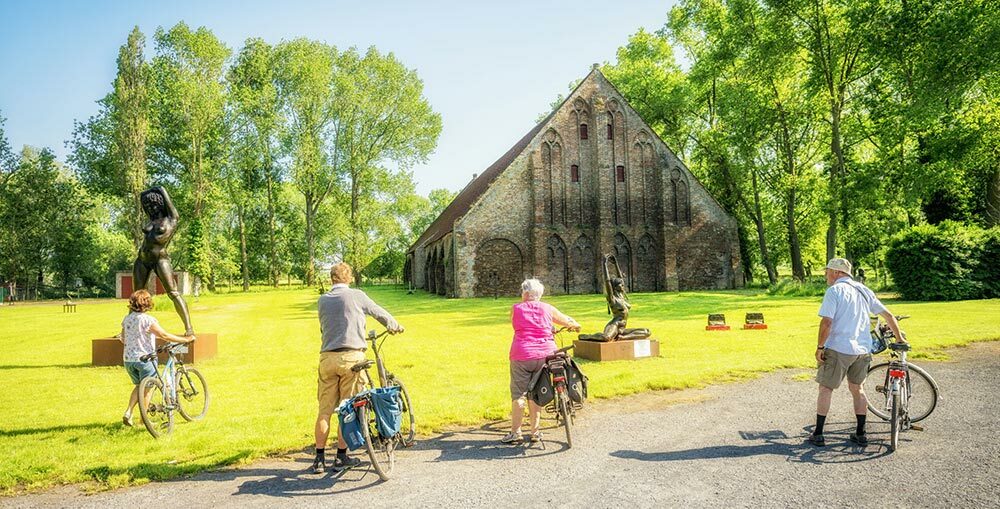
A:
(342, 313)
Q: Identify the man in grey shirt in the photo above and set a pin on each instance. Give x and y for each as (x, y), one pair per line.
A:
(342, 313)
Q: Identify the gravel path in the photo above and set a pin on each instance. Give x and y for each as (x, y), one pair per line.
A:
(728, 445)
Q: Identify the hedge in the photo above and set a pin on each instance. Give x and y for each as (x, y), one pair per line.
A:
(949, 261)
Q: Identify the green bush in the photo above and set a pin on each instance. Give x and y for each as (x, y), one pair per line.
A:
(988, 270)
(940, 262)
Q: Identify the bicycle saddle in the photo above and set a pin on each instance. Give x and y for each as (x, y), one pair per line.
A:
(362, 365)
(899, 347)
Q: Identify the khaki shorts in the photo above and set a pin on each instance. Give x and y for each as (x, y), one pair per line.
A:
(838, 365)
(520, 376)
(336, 381)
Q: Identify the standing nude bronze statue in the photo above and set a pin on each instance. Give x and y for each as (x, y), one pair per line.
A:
(153, 256)
(618, 307)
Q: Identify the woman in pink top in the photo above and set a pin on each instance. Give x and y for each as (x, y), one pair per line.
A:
(532, 320)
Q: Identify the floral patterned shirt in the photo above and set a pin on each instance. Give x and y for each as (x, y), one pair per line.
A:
(139, 340)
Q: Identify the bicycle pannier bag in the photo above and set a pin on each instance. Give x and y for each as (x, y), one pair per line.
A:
(576, 382)
(349, 425)
(388, 410)
(540, 388)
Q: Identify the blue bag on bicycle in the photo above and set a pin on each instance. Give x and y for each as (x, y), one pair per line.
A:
(349, 425)
(388, 410)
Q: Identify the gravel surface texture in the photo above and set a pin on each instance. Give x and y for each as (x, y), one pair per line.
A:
(739, 444)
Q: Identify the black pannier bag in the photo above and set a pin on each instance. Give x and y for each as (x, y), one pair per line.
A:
(576, 382)
(540, 388)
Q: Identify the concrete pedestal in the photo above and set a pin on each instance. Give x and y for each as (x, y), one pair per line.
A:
(109, 351)
(616, 350)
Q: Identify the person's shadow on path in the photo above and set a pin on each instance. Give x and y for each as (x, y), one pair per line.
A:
(450, 446)
(838, 448)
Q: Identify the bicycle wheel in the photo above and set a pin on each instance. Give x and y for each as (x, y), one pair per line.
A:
(408, 430)
(894, 422)
(192, 394)
(922, 397)
(158, 416)
(921, 393)
(382, 452)
(567, 419)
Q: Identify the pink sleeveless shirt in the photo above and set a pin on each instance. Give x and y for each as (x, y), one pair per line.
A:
(532, 321)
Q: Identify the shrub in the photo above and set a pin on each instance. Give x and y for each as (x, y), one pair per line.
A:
(937, 262)
(988, 270)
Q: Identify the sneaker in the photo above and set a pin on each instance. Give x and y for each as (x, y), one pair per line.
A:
(318, 466)
(512, 438)
(345, 463)
(816, 440)
(535, 436)
(860, 439)
(127, 420)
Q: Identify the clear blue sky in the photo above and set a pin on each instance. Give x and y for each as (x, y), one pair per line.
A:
(489, 68)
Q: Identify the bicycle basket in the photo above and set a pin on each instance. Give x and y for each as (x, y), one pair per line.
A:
(388, 410)
(350, 426)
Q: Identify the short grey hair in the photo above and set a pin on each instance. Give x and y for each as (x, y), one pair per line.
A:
(533, 287)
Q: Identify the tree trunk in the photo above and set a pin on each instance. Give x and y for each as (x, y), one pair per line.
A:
(243, 250)
(993, 200)
(310, 242)
(836, 179)
(795, 250)
(758, 219)
(272, 257)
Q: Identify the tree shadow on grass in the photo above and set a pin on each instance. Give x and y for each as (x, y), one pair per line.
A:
(5, 367)
(777, 443)
(103, 427)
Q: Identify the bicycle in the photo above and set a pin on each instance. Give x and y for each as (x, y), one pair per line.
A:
(382, 449)
(161, 396)
(563, 405)
(897, 381)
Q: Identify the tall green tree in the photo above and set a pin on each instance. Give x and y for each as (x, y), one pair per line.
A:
(256, 110)
(110, 149)
(189, 104)
(130, 118)
(384, 125)
(304, 75)
(833, 33)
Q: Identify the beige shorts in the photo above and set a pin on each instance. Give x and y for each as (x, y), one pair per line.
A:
(837, 365)
(520, 376)
(336, 381)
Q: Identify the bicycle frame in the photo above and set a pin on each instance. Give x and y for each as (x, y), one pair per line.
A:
(898, 382)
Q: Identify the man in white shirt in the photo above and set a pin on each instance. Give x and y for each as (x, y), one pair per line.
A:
(844, 348)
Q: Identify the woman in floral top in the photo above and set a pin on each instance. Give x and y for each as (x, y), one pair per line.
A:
(139, 333)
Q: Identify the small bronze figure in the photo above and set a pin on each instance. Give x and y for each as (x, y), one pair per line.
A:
(153, 256)
(618, 307)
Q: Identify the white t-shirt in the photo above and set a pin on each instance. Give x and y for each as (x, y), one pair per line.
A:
(139, 340)
(849, 304)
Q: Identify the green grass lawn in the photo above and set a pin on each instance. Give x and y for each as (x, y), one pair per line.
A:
(60, 417)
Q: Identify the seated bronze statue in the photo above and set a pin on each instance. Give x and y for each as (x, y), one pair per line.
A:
(618, 307)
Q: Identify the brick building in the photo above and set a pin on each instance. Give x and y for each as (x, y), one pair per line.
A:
(591, 178)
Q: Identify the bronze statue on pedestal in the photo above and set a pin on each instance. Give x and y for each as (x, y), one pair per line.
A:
(153, 256)
(618, 307)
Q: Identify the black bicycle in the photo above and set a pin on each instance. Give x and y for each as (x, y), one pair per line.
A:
(381, 448)
(563, 404)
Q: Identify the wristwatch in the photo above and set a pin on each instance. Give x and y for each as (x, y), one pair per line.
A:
(821, 348)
